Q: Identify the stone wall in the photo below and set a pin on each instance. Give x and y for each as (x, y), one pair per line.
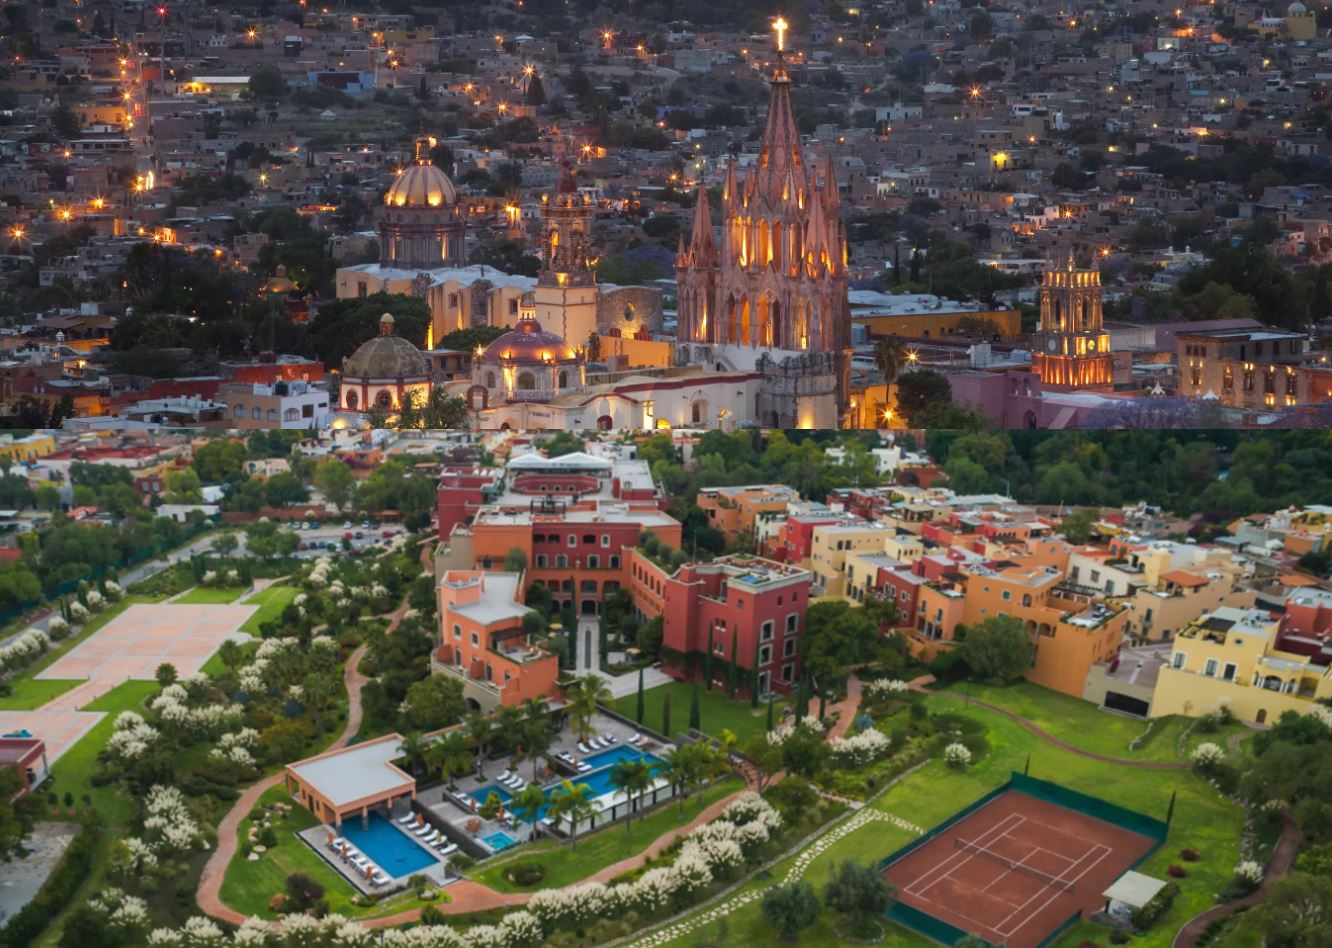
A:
(629, 309)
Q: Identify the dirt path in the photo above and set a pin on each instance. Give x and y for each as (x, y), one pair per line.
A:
(1278, 864)
(920, 685)
(209, 895)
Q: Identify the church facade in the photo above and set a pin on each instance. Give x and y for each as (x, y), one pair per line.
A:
(771, 294)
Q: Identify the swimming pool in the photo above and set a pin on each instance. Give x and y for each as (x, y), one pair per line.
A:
(387, 847)
(499, 841)
(597, 780)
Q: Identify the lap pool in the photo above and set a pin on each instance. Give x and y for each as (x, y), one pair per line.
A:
(597, 780)
(387, 847)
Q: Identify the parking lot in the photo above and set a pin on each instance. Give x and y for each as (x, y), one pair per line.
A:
(349, 536)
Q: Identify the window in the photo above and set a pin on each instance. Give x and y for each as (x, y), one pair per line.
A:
(475, 640)
(457, 631)
(605, 539)
(1008, 595)
(792, 621)
(561, 561)
(573, 540)
(256, 414)
(765, 655)
(589, 586)
(384, 399)
(614, 561)
(788, 672)
(766, 632)
(1026, 599)
(1228, 672)
(526, 381)
(789, 648)
(239, 411)
(589, 538)
(1209, 669)
(272, 414)
(541, 559)
(593, 561)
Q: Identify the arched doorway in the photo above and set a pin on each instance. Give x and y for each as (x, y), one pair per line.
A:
(604, 423)
(588, 607)
(1261, 716)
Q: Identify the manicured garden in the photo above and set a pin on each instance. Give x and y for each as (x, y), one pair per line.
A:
(271, 601)
(717, 712)
(565, 864)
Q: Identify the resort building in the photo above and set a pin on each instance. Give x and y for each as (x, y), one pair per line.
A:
(483, 643)
(734, 510)
(740, 609)
(1241, 659)
(349, 783)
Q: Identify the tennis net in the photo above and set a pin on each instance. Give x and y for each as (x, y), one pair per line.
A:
(975, 848)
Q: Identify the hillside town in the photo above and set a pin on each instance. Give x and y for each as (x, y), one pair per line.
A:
(892, 216)
(439, 686)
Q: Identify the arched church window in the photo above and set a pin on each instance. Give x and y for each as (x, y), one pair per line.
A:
(384, 399)
(526, 380)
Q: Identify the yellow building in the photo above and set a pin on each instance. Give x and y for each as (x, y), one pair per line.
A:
(831, 543)
(1230, 658)
(28, 448)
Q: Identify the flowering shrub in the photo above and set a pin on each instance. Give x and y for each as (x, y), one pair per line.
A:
(1207, 755)
(883, 687)
(173, 709)
(1249, 872)
(131, 737)
(209, 578)
(95, 599)
(112, 590)
(126, 915)
(233, 577)
(957, 756)
(78, 611)
(781, 733)
(863, 748)
(24, 650)
(57, 628)
(237, 748)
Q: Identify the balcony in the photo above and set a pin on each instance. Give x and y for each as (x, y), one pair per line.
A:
(459, 672)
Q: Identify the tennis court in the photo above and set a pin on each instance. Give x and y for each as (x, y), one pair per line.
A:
(1015, 869)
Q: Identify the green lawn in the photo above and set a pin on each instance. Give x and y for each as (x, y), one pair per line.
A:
(716, 711)
(1087, 726)
(216, 595)
(248, 885)
(32, 693)
(271, 601)
(1202, 821)
(566, 865)
(76, 766)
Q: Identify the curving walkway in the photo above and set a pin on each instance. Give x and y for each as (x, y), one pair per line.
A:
(1278, 864)
(209, 894)
(920, 684)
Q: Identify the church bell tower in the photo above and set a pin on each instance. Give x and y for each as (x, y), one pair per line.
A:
(1071, 348)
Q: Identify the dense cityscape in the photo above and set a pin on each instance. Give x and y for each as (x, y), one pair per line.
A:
(556, 475)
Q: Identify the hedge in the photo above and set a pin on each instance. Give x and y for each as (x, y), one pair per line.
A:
(58, 892)
(1151, 913)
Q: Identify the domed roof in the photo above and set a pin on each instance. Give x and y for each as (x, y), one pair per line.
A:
(528, 342)
(422, 184)
(386, 357)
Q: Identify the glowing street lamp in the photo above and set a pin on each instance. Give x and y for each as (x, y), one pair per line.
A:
(606, 37)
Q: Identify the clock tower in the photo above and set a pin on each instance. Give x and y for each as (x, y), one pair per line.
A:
(1071, 349)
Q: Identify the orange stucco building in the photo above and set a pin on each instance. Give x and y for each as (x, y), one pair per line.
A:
(1070, 629)
(482, 641)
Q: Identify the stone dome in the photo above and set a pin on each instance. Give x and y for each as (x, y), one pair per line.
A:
(386, 357)
(421, 185)
(528, 342)
(1296, 8)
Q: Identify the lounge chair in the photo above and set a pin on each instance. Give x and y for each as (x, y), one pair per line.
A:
(430, 837)
(337, 843)
(449, 849)
(380, 877)
(610, 738)
(352, 853)
(520, 787)
(514, 781)
(422, 829)
(600, 743)
(636, 739)
(583, 768)
(583, 748)
(404, 820)
(360, 862)
(566, 757)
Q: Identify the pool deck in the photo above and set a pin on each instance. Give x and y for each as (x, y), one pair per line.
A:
(449, 810)
(316, 837)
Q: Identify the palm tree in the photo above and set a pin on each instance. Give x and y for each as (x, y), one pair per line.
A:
(574, 803)
(536, 709)
(508, 725)
(675, 767)
(477, 727)
(584, 694)
(527, 804)
(413, 748)
(890, 354)
(537, 740)
(452, 754)
(632, 777)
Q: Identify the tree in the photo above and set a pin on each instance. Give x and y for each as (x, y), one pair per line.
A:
(790, 908)
(183, 487)
(527, 804)
(573, 802)
(695, 716)
(16, 815)
(861, 893)
(837, 635)
(266, 83)
(1077, 526)
(765, 756)
(230, 654)
(335, 481)
(303, 891)
(584, 694)
(219, 460)
(452, 754)
(479, 731)
(632, 778)
(918, 390)
(1296, 912)
(434, 702)
(890, 354)
(165, 674)
(638, 709)
(285, 488)
(997, 649)
(515, 561)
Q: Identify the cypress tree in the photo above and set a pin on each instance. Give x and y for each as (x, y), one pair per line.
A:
(823, 700)
(666, 715)
(769, 725)
(695, 716)
(639, 716)
(754, 679)
(734, 669)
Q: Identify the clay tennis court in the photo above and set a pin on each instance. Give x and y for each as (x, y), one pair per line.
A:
(1015, 869)
(145, 635)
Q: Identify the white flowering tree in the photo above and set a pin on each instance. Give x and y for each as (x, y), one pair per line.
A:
(957, 756)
